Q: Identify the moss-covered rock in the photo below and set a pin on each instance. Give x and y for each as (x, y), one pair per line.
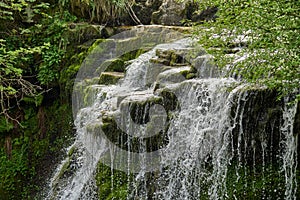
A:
(112, 65)
(173, 75)
(112, 183)
(143, 9)
(100, 42)
(83, 32)
(174, 12)
(205, 66)
(170, 100)
(191, 76)
(128, 45)
(107, 78)
(131, 143)
(174, 57)
(90, 94)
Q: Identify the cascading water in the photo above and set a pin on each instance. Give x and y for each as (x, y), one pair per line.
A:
(289, 145)
(220, 139)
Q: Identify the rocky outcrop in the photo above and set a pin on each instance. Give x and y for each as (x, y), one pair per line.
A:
(163, 12)
(144, 9)
(172, 12)
(110, 77)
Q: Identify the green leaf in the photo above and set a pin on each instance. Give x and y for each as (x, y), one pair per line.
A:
(5, 126)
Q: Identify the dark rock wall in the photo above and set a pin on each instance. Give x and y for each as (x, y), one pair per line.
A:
(258, 121)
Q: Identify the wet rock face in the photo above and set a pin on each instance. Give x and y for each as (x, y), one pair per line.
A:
(115, 125)
(297, 128)
(110, 77)
(257, 134)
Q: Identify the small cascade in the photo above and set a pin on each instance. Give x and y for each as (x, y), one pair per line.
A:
(172, 128)
(289, 146)
(197, 140)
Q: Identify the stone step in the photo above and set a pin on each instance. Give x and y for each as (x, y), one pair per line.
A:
(108, 78)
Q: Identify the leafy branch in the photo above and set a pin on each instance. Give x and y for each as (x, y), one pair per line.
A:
(26, 47)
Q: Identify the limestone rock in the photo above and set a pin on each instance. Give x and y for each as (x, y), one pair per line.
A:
(205, 67)
(112, 65)
(83, 32)
(175, 75)
(144, 8)
(108, 78)
(172, 12)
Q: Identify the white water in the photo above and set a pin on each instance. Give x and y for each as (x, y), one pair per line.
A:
(199, 133)
(289, 145)
(200, 150)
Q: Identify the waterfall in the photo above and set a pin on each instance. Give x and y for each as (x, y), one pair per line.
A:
(199, 134)
(179, 131)
(289, 145)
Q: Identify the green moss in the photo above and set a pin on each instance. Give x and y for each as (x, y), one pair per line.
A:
(112, 183)
(130, 55)
(72, 70)
(106, 126)
(184, 73)
(90, 92)
(177, 60)
(71, 151)
(119, 64)
(104, 190)
(112, 65)
(170, 101)
(82, 32)
(166, 54)
(161, 61)
(193, 70)
(255, 184)
(108, 78)
(64, 169)
(120, 194)
(96, 46)
(191, 76)
(69, 73)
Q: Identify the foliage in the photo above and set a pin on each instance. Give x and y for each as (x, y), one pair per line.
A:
(16, 172)
(266, 32)
(266, 182)
(103, 11)
(31, 50)
(38, 140)
(112, 184)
